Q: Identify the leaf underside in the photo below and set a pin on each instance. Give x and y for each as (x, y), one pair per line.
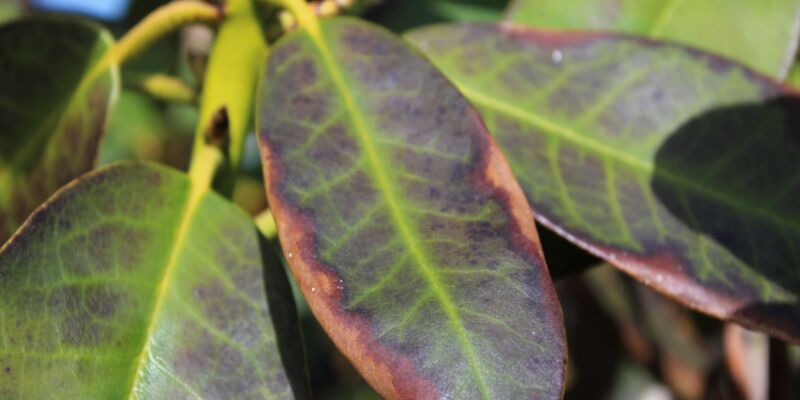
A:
(400, 219)
(677, 166)
(130, 284)
(761, 34)
(51, 128)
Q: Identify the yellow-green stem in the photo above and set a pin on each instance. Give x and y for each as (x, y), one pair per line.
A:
(230, 84)
(160, 22)
(304, 14)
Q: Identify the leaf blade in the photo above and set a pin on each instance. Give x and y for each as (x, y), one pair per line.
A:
(344, 187)
(736, 30)
(681, 175)
(54, 115)
(104, 308)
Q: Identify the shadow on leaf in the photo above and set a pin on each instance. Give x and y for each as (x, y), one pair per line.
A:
(283, 312)
(732, 175)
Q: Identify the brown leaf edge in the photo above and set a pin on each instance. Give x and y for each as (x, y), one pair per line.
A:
(391, 373)
(663, 272)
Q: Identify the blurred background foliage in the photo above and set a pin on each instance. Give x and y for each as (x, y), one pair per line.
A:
(625, 341)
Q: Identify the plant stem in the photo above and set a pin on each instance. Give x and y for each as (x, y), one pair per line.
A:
(304, 14)
(160, 22)
(321, 9)
(230, 85)
(154, 26)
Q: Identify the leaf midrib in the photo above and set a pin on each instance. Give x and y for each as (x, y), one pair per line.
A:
(195, 195)
(423, 264)
(564, 132)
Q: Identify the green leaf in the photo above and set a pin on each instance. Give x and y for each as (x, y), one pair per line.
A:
(400, 219)
(676, 166)
(762, 34)
(52, 108)
(131, 283)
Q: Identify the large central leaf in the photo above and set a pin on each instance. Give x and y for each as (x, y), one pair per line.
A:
(761, 33)
(400, 219)
(131, 284)
(53, 109)
(677, 166)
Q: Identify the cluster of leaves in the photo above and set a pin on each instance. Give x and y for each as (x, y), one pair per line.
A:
(405, 175)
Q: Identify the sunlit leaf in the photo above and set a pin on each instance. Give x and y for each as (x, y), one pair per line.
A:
(130, 283)
(676, 166)
(52, 113)
(400, 219)
(762, 34)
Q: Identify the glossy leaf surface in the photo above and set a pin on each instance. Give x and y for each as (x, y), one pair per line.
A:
(676, 166)
(400, 219)
(129, 284)
(762, 34)
(52, 115)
